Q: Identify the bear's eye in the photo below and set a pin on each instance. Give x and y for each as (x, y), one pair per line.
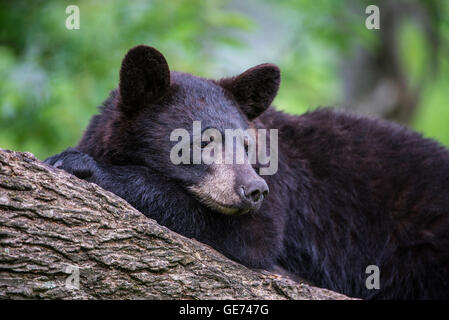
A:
(205, 143)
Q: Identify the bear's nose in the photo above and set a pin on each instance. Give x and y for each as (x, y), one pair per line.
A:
(255, 191)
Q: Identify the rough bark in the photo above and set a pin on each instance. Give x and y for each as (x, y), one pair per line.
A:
(52, 223)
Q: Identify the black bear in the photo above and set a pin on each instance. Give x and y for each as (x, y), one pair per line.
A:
(351, 195)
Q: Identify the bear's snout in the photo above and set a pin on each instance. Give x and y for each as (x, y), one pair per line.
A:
(231, 189)
(254, 192)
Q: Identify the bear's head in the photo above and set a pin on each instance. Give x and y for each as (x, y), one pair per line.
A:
(161, 116)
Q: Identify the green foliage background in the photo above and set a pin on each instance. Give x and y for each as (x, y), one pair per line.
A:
(52, 79)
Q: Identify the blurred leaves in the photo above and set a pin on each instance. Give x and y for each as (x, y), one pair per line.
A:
(52, 79)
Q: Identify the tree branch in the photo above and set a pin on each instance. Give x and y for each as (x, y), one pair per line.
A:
(52, 223)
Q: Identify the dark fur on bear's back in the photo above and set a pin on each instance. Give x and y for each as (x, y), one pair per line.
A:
(350, 191)
(378, 195)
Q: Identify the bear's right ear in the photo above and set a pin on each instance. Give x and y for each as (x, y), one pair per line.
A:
(144, 78)
(255, 88)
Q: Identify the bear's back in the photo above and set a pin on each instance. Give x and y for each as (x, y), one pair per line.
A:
(381, 192)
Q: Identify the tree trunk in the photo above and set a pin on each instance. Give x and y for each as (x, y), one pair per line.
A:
(65, 238)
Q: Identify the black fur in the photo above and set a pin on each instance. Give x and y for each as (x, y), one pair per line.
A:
(350, 191)
(255, 89)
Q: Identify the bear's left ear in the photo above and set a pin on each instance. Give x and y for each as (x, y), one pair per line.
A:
(255, 88)
(144, 78)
